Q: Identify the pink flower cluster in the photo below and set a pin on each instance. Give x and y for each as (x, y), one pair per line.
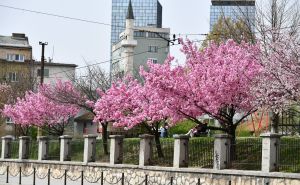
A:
(36, 109)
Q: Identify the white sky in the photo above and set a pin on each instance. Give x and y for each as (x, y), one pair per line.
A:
(75, 41)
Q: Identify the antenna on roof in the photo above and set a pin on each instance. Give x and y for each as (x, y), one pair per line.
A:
(52, 53)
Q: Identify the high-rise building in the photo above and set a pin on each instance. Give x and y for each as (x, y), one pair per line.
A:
(146, 13)
(234, 9)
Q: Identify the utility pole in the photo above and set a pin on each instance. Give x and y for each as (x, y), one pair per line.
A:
(43, 44)
(43, 60)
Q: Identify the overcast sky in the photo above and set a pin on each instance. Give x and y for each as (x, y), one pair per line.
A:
(74, 41)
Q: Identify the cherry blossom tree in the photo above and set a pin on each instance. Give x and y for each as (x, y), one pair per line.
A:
(216, 82)
(279, 85)
(129, 104)
(37, 110)
(78, 95)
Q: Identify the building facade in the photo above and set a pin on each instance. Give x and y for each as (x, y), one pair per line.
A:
(147, 13)
(137, 45)
(233, 9)
(54, 71)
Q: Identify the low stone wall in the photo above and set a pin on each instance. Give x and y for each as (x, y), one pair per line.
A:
(148, 175)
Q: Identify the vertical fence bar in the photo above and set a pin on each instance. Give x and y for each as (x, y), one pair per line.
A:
(199, 182)
(7, 173)
(81, 177)
(65, 177)
(171, 181)
(20, 175)
(33, 176)
(122, 179)
(49, 176)
(102, 177)
(146, 180)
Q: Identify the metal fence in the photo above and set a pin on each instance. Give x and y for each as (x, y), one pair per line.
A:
(33, 149)
(289, 158)
(14, 149)
(54, 150)
(167, 146)
(201, 152)
(100, 154)
(246, 154)
(77, 147)
(131, 150)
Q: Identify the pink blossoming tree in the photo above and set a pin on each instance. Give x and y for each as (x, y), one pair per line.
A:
(279, 85)
(37, 110)
(80, 96)
(216, 82)
(129, 104)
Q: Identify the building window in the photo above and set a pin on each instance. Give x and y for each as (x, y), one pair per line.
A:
(139, 34)
(153, 60)
(46, 72)
(153, 49)
(9, 121)
(12, 77)
(15, 57)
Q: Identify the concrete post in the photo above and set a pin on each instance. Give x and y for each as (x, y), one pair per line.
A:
(146, 143)
(65, 148)
(116, 149)
(24, 147)
(181, 151)
(89, 154)
(6, 147)
(43, 147)
(221, 151)
(270, 152)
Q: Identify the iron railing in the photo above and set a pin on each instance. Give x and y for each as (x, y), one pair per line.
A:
(167, 147)
(201, 152)
(131, 150)
(14, 149)
(54, 150)
(100, 154)
(245, 154)
(289, 158)
(77, 147)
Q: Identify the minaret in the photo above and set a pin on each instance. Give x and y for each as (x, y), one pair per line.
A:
(129, 43)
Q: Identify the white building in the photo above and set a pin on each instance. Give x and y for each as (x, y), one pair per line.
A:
(137, 45)
(55, 71)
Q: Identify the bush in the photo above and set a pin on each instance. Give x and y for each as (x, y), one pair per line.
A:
(181, 128)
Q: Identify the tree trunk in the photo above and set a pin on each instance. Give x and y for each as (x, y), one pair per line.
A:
(105, 138)
(274, 122)
(232, 150)
(158, 145)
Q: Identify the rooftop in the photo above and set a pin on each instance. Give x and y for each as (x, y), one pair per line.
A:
(16, 40)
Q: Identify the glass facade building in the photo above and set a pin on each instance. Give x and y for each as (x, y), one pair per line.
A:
(146, 13)
(236, 10)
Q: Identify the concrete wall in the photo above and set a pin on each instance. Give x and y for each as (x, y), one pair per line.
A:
(154, 175)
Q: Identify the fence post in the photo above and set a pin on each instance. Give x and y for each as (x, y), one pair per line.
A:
(65, 148)
(89, 148)
(24, 147)
(270, 152)
(146, 143)
(181, 151)
(6, 147)
(116, 149)
(43, 147)
(221, 151)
